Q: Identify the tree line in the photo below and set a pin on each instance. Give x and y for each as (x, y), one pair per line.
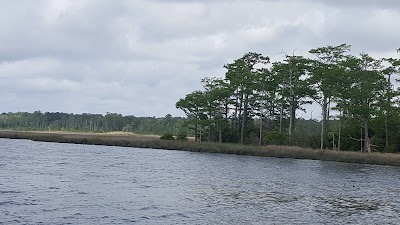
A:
(58, 121)
(257, 101)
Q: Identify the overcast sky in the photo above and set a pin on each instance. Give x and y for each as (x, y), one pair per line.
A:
(138, 57)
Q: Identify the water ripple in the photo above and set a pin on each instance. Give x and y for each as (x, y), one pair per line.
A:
(49, 183)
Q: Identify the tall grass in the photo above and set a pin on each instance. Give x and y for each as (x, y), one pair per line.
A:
(140, 141)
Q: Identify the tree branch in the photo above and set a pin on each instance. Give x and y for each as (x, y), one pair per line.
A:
(355, 139)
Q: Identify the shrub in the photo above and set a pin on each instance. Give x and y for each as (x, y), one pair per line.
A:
(275, 138)
(181, 137)
(391, 149)
(127, 128)
(167, 136)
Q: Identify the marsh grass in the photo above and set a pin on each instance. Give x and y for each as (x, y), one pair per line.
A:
(153, 142)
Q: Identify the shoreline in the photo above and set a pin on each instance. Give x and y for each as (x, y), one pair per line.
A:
(152, 142)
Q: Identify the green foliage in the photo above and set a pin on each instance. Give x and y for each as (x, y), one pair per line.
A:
(56, 121)
(275, 138)
(390, 149)
(128, 128)
(306, 134)
(167, 136)
(254, 100)
(325, 76)
(182, 136)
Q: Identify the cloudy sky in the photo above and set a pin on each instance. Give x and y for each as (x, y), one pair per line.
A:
(138, 57)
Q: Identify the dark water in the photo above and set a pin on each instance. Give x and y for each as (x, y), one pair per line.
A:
(50, 183)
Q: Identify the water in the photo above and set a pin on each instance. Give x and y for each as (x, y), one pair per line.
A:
(51, 183)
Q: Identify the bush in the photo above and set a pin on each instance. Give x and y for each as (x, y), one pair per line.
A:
(127, 128)
(181, 137)
(167, 136)
(390, 149)
(275, 138)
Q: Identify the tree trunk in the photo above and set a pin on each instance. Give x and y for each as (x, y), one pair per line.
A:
(226, 109)
(209, 133)
(281, 120)
(387, 114)
(272, 116)
(235, 116)
(196, 126)
(367, 144)
(328, 110)
(201, 133)
(219, 133)
(291, 121)
(244, 120)
(324, 122)
(195, 132)
(386, 130)
(209, 128)
(339, 135)
(240, 119)
(261, 129)
(361, 140)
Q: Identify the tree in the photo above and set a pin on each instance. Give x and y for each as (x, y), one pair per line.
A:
(325, 72)
(362, 91)
(294, 88)
(388, 105)
(218, 95)
(91, 122)
(267, 88)
(193, 106)
(242, 76)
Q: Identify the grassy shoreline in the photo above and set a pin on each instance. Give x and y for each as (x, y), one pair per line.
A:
(152, 141)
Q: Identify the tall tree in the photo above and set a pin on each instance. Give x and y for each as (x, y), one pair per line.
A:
(391, 70)
(217, 93)
(242, 77)
(294, 87)
(267, 88)
(324, 74)
(362, 91)
(193, 106)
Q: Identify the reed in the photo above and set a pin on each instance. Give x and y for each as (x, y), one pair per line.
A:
(144, 141)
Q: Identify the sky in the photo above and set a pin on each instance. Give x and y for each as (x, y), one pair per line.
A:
(139, 57)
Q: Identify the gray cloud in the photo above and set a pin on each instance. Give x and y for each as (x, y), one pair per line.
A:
(139, 57)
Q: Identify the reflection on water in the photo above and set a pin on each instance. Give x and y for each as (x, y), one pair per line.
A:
(49, 183)
(249, 198)
(348, 206)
